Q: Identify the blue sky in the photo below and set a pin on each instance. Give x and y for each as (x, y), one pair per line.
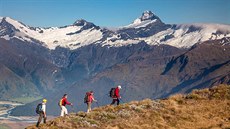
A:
(114, 13)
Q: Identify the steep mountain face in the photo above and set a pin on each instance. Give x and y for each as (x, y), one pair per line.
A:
(149, 58)
(203, 65)
(26, 65)
(13, 86)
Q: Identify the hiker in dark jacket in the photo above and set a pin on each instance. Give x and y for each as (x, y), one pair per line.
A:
(90, 99)
(64, 102)
(42, 112)
(116, 97)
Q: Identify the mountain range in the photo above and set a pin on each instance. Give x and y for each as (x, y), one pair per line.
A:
(149, 58)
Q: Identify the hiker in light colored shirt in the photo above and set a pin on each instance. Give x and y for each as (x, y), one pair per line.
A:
(41, 110)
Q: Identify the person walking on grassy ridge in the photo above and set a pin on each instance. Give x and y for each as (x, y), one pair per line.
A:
(115, 94)
(41, 110)
(89, 98)
(63, 102)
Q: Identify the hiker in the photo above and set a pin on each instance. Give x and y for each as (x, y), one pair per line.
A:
(62, 104)
(41, 110)
(89, 98)
(116, 95)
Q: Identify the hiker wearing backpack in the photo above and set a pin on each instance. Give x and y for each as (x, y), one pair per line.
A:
(89, 98)
(41, 110)
(115, 94)
(62, 104)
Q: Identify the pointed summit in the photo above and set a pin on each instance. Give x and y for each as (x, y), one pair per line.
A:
(80, 22)
(147, 18)
(7, 27)
(148, 15)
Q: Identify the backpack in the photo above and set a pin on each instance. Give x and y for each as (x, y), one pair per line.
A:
(60, 102)
(86, 98)
(39, 108)
(112, 92)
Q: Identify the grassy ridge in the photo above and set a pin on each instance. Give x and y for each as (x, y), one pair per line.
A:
(208, 108)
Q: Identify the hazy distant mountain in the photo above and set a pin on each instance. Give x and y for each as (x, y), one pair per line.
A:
(149, 58)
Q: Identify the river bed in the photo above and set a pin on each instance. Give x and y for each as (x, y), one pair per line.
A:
(14, 122)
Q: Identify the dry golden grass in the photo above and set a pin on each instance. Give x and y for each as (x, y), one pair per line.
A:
(202, 109)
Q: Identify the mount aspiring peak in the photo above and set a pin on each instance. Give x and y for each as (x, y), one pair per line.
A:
(147, 17)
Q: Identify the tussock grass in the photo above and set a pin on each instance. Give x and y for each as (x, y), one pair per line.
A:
(204, 109)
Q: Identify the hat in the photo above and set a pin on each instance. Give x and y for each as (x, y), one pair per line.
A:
(44, 100)
(119, 86)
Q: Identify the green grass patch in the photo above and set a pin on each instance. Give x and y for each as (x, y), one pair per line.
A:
(26, 99)
(4, 126)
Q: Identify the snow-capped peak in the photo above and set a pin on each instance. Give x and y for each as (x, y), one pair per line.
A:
(12, 22)
(74, 36)
(85, 24)
(7, 19)
(148, 15)
(11, 28)
(146, 18)
(80, 22)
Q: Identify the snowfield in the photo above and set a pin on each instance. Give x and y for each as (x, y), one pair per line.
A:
(182, 39)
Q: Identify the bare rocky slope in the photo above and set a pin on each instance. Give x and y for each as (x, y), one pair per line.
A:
(207, 108)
